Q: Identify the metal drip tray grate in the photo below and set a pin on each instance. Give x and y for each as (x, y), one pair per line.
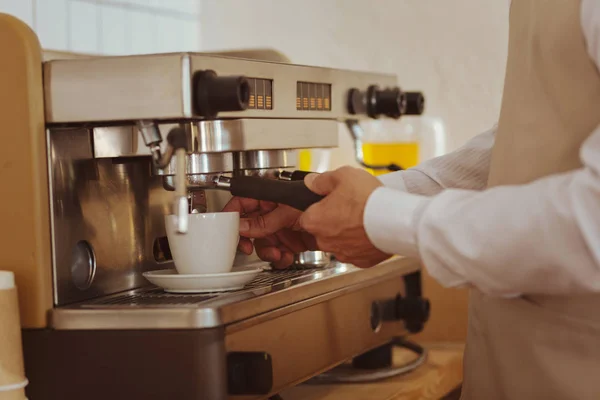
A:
(152, 297)
(160, 298)
(274, 277)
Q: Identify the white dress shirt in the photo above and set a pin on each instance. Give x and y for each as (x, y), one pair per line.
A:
(467, 235)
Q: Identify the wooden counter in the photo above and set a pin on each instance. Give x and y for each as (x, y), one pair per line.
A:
(439, 376)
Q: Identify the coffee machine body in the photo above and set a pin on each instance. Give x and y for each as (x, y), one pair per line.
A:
(102, 148)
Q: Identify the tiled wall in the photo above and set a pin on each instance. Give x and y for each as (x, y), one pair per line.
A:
(111, 26)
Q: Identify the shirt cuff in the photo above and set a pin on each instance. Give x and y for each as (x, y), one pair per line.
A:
(391, 218)
(393, 180)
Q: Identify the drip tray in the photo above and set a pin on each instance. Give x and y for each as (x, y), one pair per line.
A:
(156, 297)
(150, 307)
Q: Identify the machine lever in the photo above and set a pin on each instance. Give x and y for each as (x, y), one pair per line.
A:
(292, 193)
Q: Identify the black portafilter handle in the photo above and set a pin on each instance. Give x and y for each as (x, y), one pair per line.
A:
(292, 193)
(299, 175)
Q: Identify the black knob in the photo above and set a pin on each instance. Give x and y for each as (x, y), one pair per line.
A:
(357, 102)
(415, 103)
(214, 94)
(414, 311)
(375, 102)
(389, 102)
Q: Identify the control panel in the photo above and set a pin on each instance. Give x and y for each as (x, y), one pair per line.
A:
(182, 86)
(311, 96)
(215, 94)
(261, 94)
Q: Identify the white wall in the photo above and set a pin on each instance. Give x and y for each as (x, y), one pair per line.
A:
(452, 50)
(111, 26)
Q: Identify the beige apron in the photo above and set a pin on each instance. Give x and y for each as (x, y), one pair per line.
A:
(539, 347)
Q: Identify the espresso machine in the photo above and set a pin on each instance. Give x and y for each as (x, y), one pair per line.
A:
(97, 151)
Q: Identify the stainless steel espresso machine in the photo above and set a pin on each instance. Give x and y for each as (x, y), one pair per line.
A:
(121, 142)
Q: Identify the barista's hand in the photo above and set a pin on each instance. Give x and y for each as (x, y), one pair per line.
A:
(275, 229)
(337, 221)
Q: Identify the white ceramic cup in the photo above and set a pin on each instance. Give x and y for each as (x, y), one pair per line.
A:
(210, 244)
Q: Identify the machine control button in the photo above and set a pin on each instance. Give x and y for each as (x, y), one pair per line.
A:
(83, 265)
(390, 102)
(357, 102)
(214, 94)
(414, 311)
(249, 373)
(415, 103)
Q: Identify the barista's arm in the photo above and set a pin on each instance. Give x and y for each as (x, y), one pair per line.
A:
(464, 168)
(542, 237)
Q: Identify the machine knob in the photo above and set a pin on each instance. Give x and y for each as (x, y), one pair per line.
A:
(375, 102)
(391, 102)
(414, 311)
(388, 102)
(415, 103)
(214, 94)
(357, 102)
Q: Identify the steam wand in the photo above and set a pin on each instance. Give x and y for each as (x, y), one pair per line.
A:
(177, 145)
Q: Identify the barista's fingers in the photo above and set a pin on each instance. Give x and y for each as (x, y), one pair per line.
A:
(247, 206)
(267, 206)
(245, 246)
(240, 205)
(287, 259)
(267, 250)
(309, 241)
(263, 225)
(292, 241)
(324, 183)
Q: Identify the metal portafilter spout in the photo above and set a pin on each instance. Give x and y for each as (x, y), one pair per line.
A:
(152, 138)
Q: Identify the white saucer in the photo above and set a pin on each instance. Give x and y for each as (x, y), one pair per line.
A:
(172, 282)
